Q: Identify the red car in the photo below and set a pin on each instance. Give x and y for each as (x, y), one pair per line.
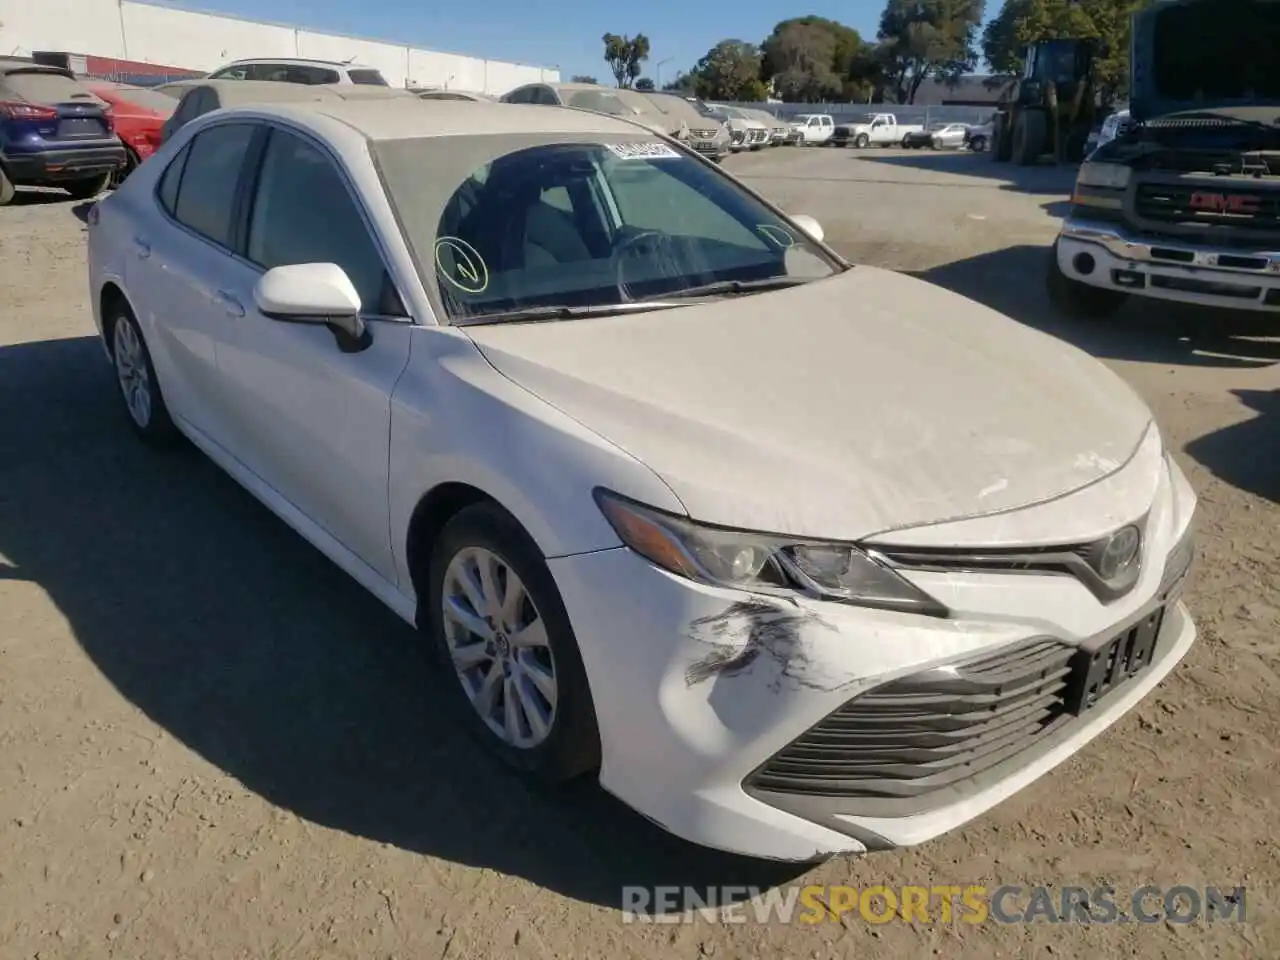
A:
(139, 114)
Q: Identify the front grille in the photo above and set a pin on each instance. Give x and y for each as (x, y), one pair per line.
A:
(930, 730)
(1208, 205)
(758, 136)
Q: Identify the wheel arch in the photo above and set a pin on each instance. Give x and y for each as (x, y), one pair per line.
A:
(110, 298)
(434, 509)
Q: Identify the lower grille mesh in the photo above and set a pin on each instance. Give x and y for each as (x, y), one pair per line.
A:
(929, 730)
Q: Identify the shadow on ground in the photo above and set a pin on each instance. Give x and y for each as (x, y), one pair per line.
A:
(1247, 454)
(1044, 179)
(1012, 281)
(245, 643)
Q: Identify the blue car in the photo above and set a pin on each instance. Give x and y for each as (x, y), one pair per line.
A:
(53, 132)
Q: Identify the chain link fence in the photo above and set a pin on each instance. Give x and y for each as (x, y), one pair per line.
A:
(850, 112)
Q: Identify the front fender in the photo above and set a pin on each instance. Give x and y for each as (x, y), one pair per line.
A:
(455, 419)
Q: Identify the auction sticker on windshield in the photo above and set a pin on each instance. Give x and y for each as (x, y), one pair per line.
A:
(644, 151)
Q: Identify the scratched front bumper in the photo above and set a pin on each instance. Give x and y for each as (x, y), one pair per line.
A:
(697, 687)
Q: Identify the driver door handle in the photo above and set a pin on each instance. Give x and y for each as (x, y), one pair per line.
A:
(229, 303)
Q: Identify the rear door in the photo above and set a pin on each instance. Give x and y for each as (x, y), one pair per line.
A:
(65, 112)
(181, 255)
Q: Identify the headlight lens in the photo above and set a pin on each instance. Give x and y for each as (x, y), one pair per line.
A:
(1114, 176)
(760, 562)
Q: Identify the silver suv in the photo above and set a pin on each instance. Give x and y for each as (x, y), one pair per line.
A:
(313, 72)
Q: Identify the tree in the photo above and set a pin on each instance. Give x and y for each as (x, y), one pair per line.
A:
(583, 78)
(1021, 22)
(928, 38)
(811, 58)
(685, 83)
(644, 83)
(624, 55)
(730, 71)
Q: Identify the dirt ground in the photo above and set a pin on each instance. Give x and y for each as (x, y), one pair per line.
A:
(215, 745)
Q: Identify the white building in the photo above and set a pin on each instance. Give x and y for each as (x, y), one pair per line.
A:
(146, 33)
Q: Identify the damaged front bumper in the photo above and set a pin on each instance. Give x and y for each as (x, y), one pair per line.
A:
(1111, 256)
(757, 725)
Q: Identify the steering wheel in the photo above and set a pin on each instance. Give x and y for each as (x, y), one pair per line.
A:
(655, 247)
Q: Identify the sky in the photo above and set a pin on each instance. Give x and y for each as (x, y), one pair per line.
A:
(552, 33)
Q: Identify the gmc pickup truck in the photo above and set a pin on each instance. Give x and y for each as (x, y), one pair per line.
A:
(1184, 203)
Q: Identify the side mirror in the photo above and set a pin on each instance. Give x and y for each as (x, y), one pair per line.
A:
(809, 225)
(314, 293)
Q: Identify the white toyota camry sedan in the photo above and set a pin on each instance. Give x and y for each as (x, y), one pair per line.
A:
(682, 500)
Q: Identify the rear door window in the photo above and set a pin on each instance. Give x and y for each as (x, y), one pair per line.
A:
(42, 86)
(206, 196)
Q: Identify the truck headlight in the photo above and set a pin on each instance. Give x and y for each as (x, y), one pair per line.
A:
(762, 562)
(1113, 176)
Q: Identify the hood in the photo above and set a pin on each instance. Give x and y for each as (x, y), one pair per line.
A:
(1204, 55)
(847, 407)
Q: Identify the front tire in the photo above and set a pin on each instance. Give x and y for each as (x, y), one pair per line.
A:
(136, 375)
(7, 189)
(1077, 300)
(507, 654)
(862, 141)
(89, 187)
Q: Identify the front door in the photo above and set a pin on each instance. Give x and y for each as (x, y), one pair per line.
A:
(312, 421)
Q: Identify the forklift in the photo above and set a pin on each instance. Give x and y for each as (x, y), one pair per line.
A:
(1052, 109)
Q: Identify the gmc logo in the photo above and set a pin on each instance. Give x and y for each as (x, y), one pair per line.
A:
(1226, 203)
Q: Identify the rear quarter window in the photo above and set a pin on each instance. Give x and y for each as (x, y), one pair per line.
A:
(38, 86)
(370, 78)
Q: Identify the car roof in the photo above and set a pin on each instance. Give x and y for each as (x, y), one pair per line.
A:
(8, 65)
(408, 118)
(300, 60)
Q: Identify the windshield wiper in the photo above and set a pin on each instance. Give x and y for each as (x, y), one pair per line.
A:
(560, 312)
(731, 287)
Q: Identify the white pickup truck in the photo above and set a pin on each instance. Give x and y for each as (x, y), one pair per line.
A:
(881, 129)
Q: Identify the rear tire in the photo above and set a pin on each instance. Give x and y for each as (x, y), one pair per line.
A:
(978, 144)
(1077, 300)
(136, 376)
(558, 738)
(89, 187)
(1029, 138)
(131, 162)
(7, 190)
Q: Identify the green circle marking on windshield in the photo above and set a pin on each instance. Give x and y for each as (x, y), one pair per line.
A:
(461, 265)
(781, 236)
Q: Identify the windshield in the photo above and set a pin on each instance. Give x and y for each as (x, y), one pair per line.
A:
(509, 223)
(600, 102)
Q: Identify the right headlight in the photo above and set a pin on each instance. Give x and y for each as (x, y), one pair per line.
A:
(1113, 176)
(762, 562)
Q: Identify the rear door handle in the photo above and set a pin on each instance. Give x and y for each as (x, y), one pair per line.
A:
(141, 248)
(229, 303)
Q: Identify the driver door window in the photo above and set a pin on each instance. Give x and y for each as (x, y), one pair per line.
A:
(304, 213)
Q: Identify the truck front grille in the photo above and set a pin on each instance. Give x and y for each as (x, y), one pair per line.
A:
(928, 731)
(1208, 205)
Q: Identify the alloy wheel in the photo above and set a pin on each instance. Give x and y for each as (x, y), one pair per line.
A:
(132, 372)
(498, 644)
